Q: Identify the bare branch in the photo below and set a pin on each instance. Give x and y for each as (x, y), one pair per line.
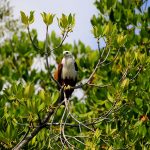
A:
(62, 41)
(99, 86)
(29, 33)
(75, 138)
(61, 128)
(24, 137)
(113, 58)
(139, 70)
(46, 57)
(98, 43)
(84, 125)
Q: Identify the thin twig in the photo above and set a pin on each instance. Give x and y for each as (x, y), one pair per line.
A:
(46, 57)
(62, 41)
(61, 128)
(139, 70)
(99, 86)
(35, 46)
(98, 43)
(113, 59)
(77, 140)
(81, 122)
(24, 137)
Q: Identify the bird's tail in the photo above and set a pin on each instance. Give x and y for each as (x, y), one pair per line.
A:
(68, 94)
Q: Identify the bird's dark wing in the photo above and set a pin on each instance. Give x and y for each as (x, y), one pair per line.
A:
(76, 67)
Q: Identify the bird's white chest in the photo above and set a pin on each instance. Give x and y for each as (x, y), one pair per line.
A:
(68, 69)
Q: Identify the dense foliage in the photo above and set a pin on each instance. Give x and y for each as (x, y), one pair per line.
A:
(113, 109)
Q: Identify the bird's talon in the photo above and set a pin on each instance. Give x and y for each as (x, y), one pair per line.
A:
(68, 87)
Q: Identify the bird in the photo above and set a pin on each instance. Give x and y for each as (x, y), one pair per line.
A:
(66, 74)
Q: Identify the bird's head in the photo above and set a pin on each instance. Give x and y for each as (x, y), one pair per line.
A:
(67, 54)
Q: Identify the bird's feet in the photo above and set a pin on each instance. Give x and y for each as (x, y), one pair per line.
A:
(68, 87)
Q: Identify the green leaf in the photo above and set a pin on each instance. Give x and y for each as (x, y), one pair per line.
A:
(139, 102)
(110, 98)
(44, 17)
(64, 21)
(95, 32)
(50, 18)
(41, 107)
(113, 131)
(70, 19)
(42, 95)
(33, 140)
(73, 21)
(108, 104)
(142, 130)
(107, 128)
(24, 18)
(55, 96)
(47, 18)
(121, 39)
(108, 28)
(125, 83)
(110, 148)
(97, 133)
(31, 18)
(29, 90)
(8, 130)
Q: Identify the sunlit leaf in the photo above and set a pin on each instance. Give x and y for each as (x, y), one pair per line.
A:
(24, 18)
(31, 17)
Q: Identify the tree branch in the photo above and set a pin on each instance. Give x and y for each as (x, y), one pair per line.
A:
(62, 41)
(46, 57)
(33, 44)
(92, 74)
(28, 138)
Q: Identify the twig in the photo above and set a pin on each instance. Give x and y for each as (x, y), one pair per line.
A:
(99, 86)
(98, 43)
(66, 124)
(102, 53)
(99, 63)
(46, 57)
(113, 58)
(46, 52)
(62, 41)
(35, 46)
(61, 128)
(124, 74)
(81, 122)
(77, 140)
(94, 71)
(139, 70)
(24, 137)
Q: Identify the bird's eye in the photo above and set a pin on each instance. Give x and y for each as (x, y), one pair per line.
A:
(66, 52)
